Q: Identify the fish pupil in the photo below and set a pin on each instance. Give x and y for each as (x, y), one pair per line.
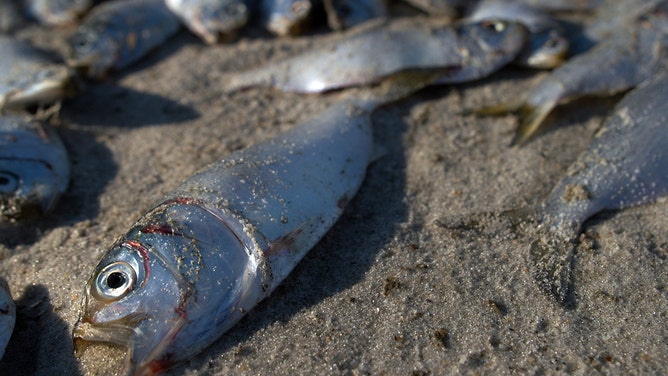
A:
(116, 280)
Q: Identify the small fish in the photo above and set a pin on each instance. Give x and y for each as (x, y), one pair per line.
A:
(212, 20)
(7, 315)
(10, 15)
(57, 12)
(286, 17)
(207, 253)
(29, 76)
(344, 14)
(440, 8)
(34, 168)
(613, 66)
(624, 166)
(118, 33)
(466, 52)
(564, 5)
(547, 46)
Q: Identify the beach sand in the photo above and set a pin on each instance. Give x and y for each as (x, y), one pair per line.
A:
(391, 289)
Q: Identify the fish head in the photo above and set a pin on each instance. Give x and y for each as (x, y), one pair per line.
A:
(92, 51)
(167, 289)
(215, 21)
(58, 12)
(288, 16)
(131, 301)
(545, 50)
(28, 189)
(34, 169)
(498, 37)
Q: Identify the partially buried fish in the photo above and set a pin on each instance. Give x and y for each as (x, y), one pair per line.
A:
(617, 64)
(29, 76)
(547, 46)
(192, 266)
(34, 168)
(57, 12)
(625, 165)
(212, 20)
(463, 52)
(118, 33)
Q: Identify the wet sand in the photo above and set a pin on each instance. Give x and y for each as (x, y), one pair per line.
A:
(390, 289)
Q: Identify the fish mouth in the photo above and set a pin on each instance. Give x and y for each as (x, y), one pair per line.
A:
(118, 334)
(58, 87)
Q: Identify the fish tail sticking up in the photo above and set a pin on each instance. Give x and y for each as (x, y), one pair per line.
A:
(531, 120)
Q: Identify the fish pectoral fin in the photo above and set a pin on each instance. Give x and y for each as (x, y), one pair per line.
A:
(553, 262)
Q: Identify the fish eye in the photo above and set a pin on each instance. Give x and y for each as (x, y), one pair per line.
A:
(115, 281)
(494, 26)
(9, 182)
(83, 42)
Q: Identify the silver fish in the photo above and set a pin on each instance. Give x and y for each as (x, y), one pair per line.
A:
(613, 15)
(29, 76)
(57, 12)
(7, 315)
(565, 5)
(193, 265)
(616, 64)
(286, 17)
(10, 15)
(212, 20)
(441, 8)
(547, 46)
(344, 14)
(624, 166)
(118, 33)
(34, 168)
(466, 52)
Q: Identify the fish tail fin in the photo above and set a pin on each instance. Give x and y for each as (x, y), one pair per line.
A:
(531, 120)
(553, 261)
(239, 81)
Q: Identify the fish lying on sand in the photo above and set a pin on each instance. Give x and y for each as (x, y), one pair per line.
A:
(463, 52)
(207, 253)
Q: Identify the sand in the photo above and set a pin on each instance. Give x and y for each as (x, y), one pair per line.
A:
(391, 289)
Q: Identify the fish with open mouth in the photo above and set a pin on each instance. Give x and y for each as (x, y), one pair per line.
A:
(29, 76)
(463, 52)
(34, 168)
(118, 33)
(208, 252)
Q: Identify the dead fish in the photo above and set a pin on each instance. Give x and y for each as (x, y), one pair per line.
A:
(613, 15)
(57, 12)
(547, 46)
(564, 5)
(286, 17)
(34, 168)
(344, 14)
(118, 33)
(466, 52)
(29, 76)
(7, 315)
(624, 166)
(613, 66)
(441, 8)
(10, 15)
(207, 253)
(212, 20)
